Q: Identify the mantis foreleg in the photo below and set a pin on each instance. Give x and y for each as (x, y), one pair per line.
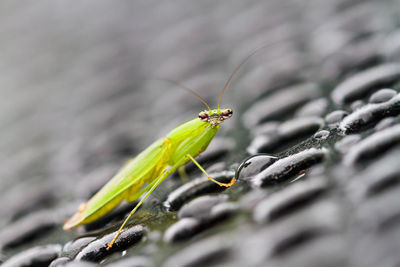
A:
(232, 182)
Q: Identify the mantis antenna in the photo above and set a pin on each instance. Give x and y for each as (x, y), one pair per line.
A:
(235, 71)
(186, 89)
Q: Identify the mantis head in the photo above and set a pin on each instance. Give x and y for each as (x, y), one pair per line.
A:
(216, 116)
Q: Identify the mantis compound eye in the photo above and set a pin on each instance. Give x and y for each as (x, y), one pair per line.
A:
(227, 113)
(203, 116)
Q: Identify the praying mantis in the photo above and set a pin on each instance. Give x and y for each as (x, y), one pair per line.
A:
(141, 175)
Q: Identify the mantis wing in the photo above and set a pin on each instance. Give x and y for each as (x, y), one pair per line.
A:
(136, 177)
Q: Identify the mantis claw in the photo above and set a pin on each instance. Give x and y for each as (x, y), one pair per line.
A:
(232, 182)
(109, 246)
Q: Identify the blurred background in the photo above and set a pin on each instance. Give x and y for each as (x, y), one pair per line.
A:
(77, 97)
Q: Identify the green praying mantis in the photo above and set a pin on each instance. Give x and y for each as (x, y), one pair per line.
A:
(141, 175)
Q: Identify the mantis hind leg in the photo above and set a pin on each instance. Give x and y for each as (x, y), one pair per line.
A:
(161, 178)
(164, 175)
(232, 182)
(183, 174)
